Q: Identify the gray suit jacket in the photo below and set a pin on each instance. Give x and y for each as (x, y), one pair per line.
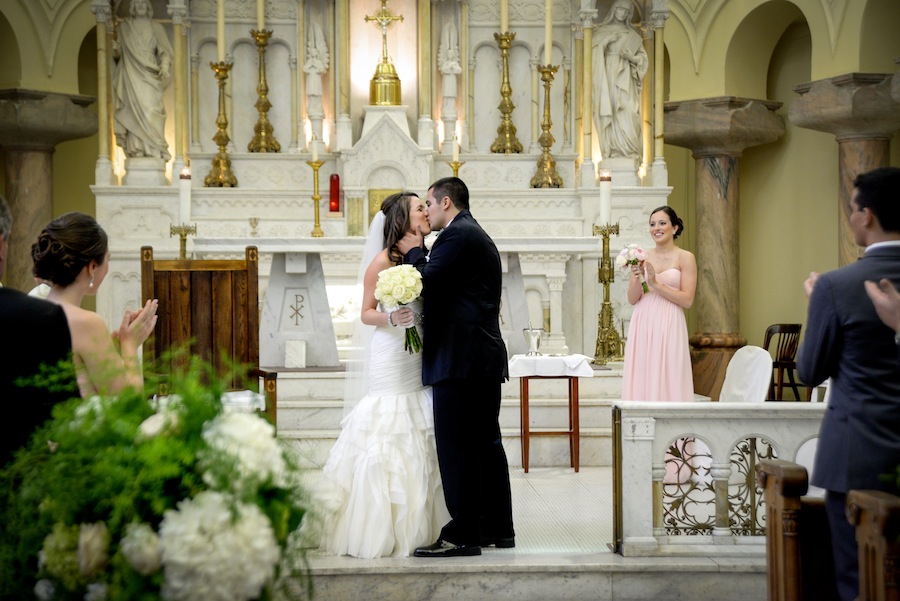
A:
(859, 439)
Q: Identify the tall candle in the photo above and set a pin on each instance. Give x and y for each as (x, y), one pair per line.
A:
(260, 15)
(504, 16)
(455, 149)
(605, 196)
(220, 30)
(548, 32)
(184, 195)
(314, 146)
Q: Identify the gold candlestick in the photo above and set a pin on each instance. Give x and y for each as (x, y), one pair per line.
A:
(221, 176)
(317, 229)
(263, 138)
(182, 231)
(609, 344)
(546, 176)
(506, 141)
(455, 165)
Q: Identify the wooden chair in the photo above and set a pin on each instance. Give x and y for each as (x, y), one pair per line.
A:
(787, 340)
(209, 308)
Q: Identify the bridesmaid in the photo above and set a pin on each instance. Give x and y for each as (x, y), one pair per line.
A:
(657, 356)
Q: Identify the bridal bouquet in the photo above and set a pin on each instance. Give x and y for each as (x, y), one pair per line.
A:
(116, 498)
(632, 254)
(400, 285)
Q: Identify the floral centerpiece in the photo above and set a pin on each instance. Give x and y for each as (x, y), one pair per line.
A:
(632, 254)
(396, 286)
(118, 498)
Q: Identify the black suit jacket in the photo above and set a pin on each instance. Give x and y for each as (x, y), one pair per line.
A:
(462, 280)
(860, 434)
(32, 332)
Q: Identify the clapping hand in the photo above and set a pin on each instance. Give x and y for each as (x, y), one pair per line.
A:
(650, 274)
(137, 326)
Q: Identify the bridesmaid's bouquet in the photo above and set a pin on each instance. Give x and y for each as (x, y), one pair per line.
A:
(632, 254)
(396, 286)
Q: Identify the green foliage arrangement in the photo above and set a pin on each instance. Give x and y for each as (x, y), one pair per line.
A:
(122, 498)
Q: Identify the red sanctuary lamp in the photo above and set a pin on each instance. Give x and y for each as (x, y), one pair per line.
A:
(334, 195)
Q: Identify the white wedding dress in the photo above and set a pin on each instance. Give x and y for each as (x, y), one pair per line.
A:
(381, 488)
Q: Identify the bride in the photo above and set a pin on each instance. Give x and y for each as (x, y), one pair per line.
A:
(381, 487)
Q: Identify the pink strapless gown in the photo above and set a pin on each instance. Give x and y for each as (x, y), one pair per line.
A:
(657, 355)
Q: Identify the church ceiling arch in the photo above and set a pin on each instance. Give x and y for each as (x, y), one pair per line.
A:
(698, 18)
(751, 47)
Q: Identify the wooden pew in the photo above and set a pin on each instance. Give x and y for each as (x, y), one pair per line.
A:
(798, 543)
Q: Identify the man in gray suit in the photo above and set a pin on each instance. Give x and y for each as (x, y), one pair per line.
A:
(859, 439)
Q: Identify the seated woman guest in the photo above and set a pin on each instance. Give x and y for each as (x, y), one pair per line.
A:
(71, 254)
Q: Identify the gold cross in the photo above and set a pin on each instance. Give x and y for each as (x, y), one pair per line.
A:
(384, 18)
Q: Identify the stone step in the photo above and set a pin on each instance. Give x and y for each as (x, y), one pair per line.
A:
(552, 413)
(329, 384)
(313, 446)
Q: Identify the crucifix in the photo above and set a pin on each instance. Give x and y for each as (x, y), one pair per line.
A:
(384, 88)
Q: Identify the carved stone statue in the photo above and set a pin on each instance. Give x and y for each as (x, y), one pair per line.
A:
(448, 60)
(619, 65)
(316, 60)
(143, 61)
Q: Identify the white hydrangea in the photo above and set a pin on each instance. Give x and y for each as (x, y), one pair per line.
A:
(251, 441)
(96, 592)
(93, 549)
(207, 554)
(141, 548)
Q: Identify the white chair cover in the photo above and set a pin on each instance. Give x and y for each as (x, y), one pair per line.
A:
(747, 376)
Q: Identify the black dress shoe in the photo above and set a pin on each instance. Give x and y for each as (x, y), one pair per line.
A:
(444, 548)
(501, 542)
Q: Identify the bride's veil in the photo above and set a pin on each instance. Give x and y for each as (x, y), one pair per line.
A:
(356, 384)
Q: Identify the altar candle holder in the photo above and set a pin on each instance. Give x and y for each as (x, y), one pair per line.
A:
(455, 165)
(221, 176)
(317, 228)
(609, 344)
(182, 231)
(263, 137)
(546, 175)
(506, 142)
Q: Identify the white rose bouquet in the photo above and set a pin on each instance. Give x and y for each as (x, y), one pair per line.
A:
(632, 254)
(400, 285)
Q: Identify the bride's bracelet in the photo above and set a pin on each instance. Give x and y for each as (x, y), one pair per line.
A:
(391, 320)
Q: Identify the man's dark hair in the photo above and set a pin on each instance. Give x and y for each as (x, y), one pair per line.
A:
(453, 187)
(879, 191)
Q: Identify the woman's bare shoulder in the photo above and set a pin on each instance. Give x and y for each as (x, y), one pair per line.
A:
(83, 322)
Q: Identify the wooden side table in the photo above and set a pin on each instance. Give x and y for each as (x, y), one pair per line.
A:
(567, 367)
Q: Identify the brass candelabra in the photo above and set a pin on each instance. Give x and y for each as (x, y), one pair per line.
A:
(609, 344)
(546, 175)
(182, 231)
(317, 228)
(263, 137)
(506, 141)
(455, 165)
(221, 176)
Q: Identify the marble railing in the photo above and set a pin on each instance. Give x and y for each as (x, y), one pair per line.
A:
(684, 472)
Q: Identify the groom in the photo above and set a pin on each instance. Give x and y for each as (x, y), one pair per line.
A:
(465, 362)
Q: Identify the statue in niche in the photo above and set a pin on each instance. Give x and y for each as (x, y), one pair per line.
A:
(619, 65)
(142, 58)
(316, 61)
(448, 64)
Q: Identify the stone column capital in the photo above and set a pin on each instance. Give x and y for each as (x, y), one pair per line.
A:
(102, 10)
(587, 16)
(178, 10)
(724, 125)
(578, 31)
(853, 105)
(40, 120)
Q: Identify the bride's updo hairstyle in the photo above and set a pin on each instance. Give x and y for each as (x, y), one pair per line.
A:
(396, 221)
(676, 221)
(66, 245)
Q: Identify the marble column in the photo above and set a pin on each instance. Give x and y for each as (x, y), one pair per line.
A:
(859, 110)
(32, 123)
(717, 130)
(578, 53)
(103, 170)
(178, 11)
(535, 148)
(426, 130)
(587, 177)
(658, 16)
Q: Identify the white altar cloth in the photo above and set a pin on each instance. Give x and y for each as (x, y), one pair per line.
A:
(550, 366)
